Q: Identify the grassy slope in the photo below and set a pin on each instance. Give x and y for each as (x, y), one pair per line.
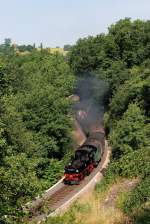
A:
(100, 206)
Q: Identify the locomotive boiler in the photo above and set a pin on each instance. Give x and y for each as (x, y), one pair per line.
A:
(86, 157)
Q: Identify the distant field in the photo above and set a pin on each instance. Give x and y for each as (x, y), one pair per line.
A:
(50, 50)
(59, 50)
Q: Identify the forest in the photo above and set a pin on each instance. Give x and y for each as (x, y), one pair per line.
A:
(35, 125)
(121, 58)
(35, 112)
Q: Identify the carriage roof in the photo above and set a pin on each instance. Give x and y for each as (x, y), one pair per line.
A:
(85, 147)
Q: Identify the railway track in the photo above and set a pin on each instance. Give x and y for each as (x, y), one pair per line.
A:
(57, 197)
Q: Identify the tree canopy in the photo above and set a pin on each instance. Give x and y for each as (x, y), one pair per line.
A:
(122, 58)
(34, 126)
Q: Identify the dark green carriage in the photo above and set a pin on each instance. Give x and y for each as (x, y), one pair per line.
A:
(94, 149)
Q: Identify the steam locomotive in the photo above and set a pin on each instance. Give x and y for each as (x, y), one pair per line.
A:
(86, 157)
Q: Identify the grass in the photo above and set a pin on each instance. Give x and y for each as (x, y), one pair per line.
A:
(89, 210)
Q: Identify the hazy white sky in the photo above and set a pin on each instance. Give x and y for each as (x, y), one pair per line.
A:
(59, 22)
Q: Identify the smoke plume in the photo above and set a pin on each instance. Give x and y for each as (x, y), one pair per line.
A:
(93, 93)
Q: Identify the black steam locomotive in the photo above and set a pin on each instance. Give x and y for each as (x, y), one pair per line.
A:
(86, 157)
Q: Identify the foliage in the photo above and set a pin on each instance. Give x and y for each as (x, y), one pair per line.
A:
(18, 182)
(67, 47)
(132, 39)
(72, 216)
(126, 41)
(130, 133)
(136, 202)
(122, 58)
(34, 127)
(53, 171)
(116, 74)
(138, 196)
(136, 89)
(23, 48)
(34, 114)
(92, 53)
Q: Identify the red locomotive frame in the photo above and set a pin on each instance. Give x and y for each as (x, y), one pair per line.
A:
(77, 177)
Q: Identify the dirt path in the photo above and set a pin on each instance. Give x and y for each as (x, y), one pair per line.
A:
(103, 208)
(123, 186)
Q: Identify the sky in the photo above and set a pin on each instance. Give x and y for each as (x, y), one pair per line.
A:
(60, 22)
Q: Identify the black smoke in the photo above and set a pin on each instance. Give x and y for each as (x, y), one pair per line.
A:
(93, 94)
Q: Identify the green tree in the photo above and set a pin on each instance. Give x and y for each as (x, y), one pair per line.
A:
(130, 132)
(132, 39)
(18, 182)
(7, 42)
(136, 89)
(34, 127)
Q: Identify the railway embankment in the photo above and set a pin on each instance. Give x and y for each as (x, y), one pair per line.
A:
(58, 198)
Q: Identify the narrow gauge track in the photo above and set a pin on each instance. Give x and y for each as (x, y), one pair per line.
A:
(61, 194)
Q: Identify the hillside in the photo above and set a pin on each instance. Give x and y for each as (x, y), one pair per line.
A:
(35, 124)
(122, 58)
(35, 129)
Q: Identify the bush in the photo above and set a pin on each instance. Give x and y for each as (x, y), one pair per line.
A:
(139, 196)
(130, 133)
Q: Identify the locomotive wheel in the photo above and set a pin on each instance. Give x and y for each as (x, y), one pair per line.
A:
(96, 164)
(88, 173)
(82, 176)
(77, 183)
(89, 169)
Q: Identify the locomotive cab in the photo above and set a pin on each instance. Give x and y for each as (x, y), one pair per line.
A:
(86, 158)
(81, 165)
